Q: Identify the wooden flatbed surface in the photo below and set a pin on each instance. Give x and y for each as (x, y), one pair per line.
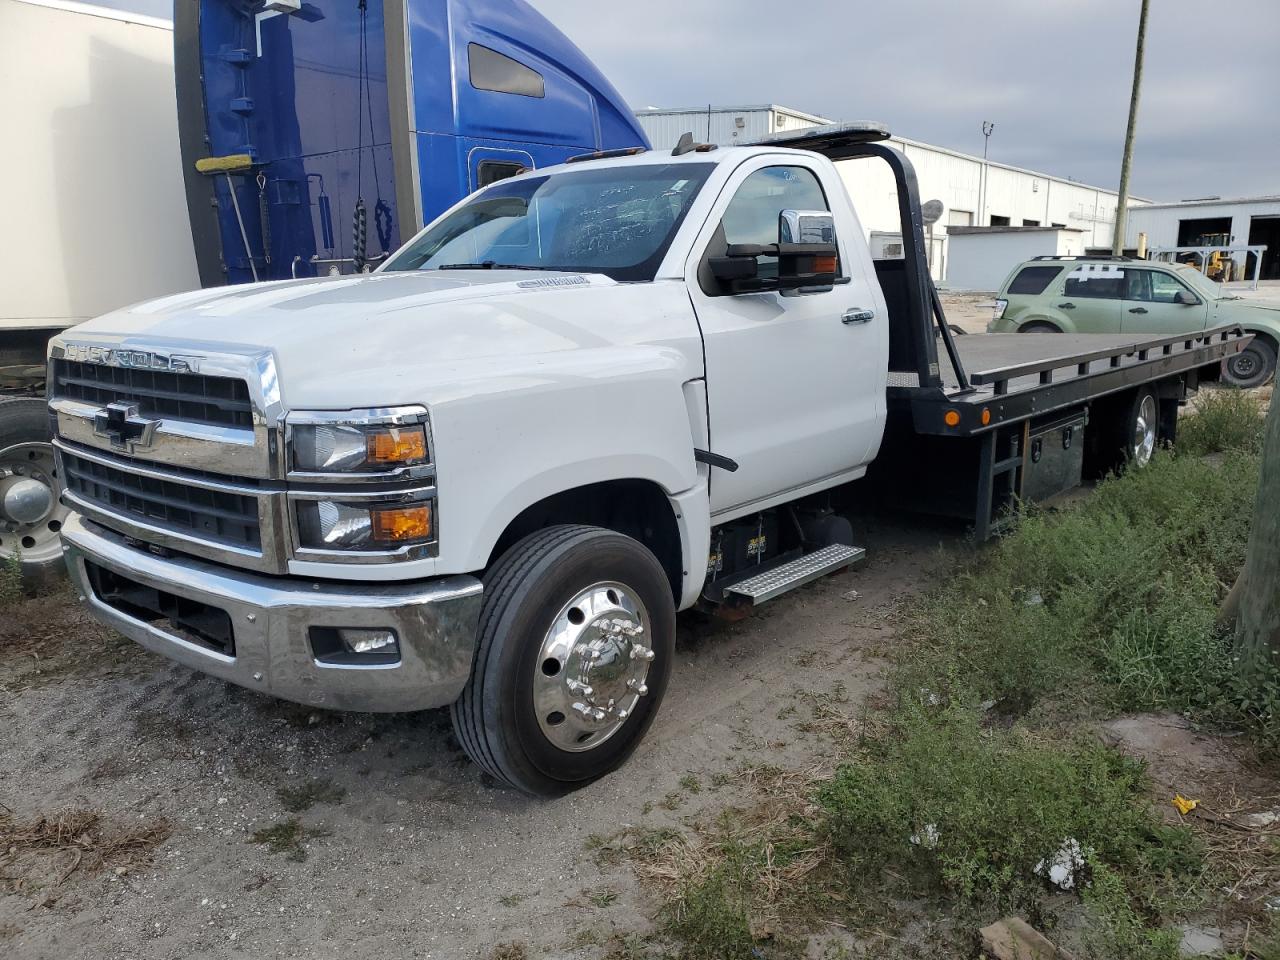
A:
(986, 352)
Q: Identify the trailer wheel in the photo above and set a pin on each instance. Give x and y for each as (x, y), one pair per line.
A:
(575, 643)
(1251, 367)
(30, 514)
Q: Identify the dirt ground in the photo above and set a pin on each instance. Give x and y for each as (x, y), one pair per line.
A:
(971, 312)
(400, 847)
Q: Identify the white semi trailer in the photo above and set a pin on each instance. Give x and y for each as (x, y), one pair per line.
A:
(95, 215)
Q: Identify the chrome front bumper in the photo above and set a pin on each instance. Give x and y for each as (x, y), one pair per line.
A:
(271, 619)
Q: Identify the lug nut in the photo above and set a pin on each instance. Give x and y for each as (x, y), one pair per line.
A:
(576, 686)
(638, 687)
(640, 652)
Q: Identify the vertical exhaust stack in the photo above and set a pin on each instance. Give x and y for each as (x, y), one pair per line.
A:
(364, 119)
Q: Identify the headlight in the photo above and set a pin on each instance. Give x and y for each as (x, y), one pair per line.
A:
(1001, 306)
(351, 525)
(358, 442)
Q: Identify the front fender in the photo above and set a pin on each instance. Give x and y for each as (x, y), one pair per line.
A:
(613, 413)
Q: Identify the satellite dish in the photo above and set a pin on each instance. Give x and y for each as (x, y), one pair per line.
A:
(931, 212)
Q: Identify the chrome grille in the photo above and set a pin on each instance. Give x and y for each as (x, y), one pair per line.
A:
(221, 516)
(188, 397)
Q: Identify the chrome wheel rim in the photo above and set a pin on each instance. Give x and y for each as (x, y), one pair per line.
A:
(591, 667)
(1144, 431)
(30, 514)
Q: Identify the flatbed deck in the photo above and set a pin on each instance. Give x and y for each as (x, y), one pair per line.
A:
(1012, 376)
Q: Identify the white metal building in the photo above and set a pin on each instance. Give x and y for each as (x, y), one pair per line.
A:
(1245, 220)
(973, 192)
(979, 258)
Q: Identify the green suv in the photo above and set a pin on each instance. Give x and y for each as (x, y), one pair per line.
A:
(1122, 295)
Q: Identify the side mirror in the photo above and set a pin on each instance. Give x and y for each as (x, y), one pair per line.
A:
(797, 265)
(1187, 298)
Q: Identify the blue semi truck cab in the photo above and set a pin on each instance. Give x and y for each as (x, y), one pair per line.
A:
(317, 135)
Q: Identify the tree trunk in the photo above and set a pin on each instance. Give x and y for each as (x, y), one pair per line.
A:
(1254, 602)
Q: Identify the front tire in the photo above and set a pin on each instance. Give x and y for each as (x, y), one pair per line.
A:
(575, 643)
(30, 514)
(1251, 367)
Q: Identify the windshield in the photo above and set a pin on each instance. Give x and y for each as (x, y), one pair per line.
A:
(1202, 284)
(616, 220)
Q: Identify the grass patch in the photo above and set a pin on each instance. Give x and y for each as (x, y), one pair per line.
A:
(11, 579)
(288, 837)
(307, 795)
(1223, 420)
(980, 815)
(978, 775)
(1108, 606)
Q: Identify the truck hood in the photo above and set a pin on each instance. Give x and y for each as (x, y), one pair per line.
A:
(407, 337)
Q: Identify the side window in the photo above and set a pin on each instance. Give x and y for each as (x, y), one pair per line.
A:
(1031, 281)
(491, 171)
(491, 70)
(753, 213)
(1137, 284)
(1154, 286)
(1098, 281)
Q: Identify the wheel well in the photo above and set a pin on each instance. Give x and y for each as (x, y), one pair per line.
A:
(637, 508)
(1267, 337)
(1038, 321)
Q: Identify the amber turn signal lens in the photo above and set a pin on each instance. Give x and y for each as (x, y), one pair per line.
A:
(986, 417)
(397, 445)
(951, 418)
(402, 524)
(824, 264)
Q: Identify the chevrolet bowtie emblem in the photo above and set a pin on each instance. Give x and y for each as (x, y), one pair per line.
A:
(124, 426)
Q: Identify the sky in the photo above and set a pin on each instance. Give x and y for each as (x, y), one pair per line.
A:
(1053, 75)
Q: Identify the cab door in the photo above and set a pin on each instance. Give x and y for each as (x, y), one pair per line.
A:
(1152, 305)
(1090, 298)
(795, 379)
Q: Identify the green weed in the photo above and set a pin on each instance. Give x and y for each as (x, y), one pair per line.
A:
(307, 795)
(288, 837)
(1223, 420)
(11, 579)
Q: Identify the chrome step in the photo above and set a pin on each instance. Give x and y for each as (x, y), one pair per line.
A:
(778, 580)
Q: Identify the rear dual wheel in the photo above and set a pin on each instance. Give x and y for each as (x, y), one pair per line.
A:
(575, 644)
(1123, 431)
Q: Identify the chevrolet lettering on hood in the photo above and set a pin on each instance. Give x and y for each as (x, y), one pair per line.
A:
(135, 359)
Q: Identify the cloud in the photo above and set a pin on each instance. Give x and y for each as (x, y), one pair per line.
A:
(1054, 75)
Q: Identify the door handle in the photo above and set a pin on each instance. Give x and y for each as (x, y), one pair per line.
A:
(1137, 309)
(858, 315)
(1066, 306)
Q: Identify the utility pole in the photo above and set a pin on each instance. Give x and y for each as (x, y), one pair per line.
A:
(1122, 202)
(987, 129)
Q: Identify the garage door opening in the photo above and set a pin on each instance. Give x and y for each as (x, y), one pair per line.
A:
(1265, 230)
(1204, 232)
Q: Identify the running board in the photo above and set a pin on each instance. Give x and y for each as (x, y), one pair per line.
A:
(779, 580)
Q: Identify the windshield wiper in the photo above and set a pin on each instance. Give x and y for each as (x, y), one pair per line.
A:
(489, 265)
